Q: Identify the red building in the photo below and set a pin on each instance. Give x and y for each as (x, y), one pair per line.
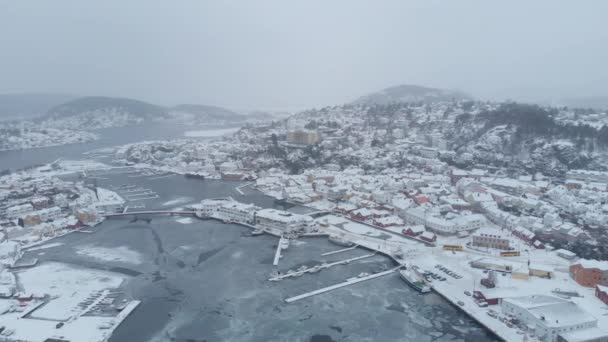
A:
(428, 237)
(538, 245)
(361, 214)
(491, 300)
(590, 272)
(420, 199)
(413, 231)
(601, 292)
(524, 234)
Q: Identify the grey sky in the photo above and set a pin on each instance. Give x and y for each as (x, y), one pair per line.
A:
(288, 54)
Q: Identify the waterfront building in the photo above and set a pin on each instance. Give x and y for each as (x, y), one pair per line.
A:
(553, 319)
(237, 212)
(283, 220)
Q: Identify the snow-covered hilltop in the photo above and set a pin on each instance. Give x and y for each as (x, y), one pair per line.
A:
(410, 93)
(90, 113)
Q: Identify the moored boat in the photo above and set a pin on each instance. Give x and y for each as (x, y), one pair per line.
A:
(416, 281)
(340, 241)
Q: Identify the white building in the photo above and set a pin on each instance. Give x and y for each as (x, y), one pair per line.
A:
(490, 238)
(283, 220)
(237, 212)
(551, 318)
(19, 210)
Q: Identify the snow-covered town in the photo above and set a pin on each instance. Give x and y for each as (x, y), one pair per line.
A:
(520, 250)
(319, 171)
(21, 135)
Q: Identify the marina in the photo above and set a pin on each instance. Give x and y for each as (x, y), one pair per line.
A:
(317, 268)
(348, 282)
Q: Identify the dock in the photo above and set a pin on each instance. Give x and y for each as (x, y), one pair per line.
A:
(340, 250)
(337, 286)
(277, 254)
(320, 267)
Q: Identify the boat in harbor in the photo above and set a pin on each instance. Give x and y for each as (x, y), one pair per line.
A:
(340, 241)
(258, 231)
(284, 243)
(195, 175)
(415, 280)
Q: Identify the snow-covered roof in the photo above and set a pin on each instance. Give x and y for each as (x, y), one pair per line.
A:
(555, 312)
(591, 334)
(565, 252)
(601, 265)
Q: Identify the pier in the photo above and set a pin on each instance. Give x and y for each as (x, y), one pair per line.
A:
(319, 267)
(337, 286)
(149, 212)
(340, 250)
(277, 254)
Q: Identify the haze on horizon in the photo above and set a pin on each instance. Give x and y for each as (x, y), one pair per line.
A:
(292, 55)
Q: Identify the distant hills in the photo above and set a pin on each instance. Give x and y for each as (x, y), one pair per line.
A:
(103, 104)
(410, 93)
(26, 106)
(95, 112)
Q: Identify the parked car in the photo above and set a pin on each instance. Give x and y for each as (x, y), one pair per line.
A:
(468, 293)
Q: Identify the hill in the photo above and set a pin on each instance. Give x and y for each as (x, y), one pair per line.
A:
(100, 103)
(95, 112)
(410, 93)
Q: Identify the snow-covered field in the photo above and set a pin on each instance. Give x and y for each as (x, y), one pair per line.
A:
(120, 254)
(209, 133)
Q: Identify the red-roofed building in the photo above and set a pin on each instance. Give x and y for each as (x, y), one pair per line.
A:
(420, 199)
(413, 230)
(428, 237)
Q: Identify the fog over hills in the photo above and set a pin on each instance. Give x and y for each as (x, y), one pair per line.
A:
(19, 106)
(99, 103)
(410, 93)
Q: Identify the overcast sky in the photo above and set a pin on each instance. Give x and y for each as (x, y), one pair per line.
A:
(287, 54)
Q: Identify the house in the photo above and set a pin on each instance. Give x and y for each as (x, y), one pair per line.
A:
(590, 273)
(538, 245)
(40, 202)
(361, 214)
(523, 234)
(566, 254)
(345, 208)
(601, 292)
(388, 221)
(428, 237)
(19, 210)
(414, 231)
